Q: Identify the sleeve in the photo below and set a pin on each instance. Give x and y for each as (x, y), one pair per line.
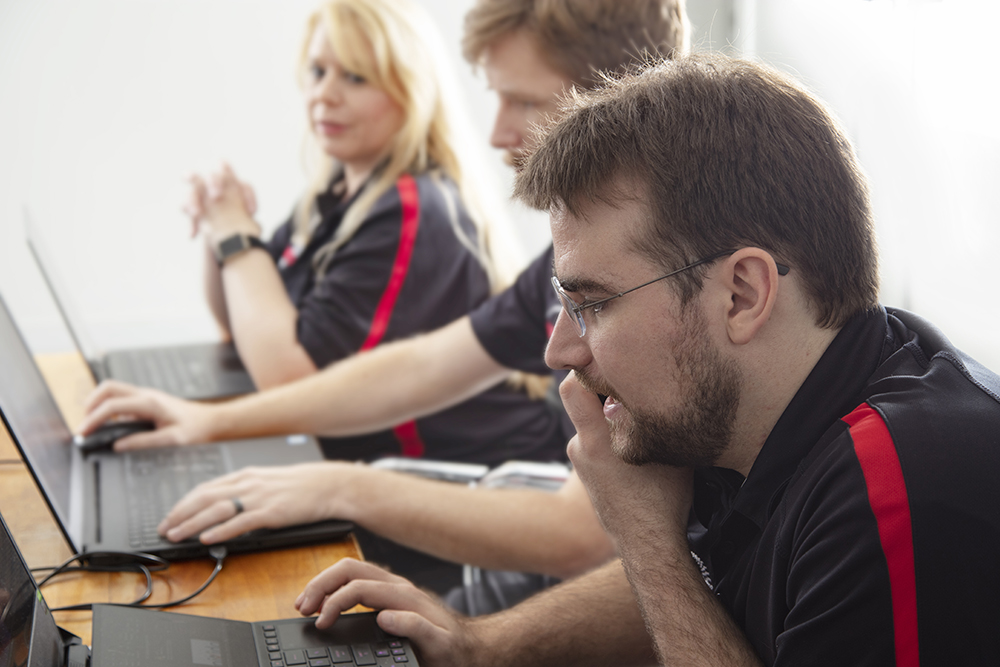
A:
(514, 326)
(338, 315)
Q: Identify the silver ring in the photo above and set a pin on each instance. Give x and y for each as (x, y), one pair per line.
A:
(237, 505)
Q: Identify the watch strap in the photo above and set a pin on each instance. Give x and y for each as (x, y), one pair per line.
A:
(236, 244)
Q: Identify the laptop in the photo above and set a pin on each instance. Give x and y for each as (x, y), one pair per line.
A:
(127, 636)
(105, 501)
(194, 371)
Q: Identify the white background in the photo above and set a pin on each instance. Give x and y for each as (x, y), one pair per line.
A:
(106, 105)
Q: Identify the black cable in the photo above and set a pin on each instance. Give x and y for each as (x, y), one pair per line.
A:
(151, 562)
(217, 552)
(89, 606)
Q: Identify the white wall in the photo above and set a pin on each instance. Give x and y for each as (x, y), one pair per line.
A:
(917, 86)
(106, 105)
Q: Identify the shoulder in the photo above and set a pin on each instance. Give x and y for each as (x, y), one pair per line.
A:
(428, 194)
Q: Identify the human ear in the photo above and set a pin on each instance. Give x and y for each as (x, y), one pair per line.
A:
(751, 276)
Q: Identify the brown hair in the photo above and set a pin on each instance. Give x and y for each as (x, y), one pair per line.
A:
(726, 154)
(580, 38)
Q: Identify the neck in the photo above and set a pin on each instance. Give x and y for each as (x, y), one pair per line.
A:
(776, 378)
(354, 178)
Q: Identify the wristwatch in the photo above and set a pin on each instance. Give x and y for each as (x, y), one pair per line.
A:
(236, 244)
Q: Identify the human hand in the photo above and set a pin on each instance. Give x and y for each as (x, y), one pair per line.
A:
(271, 497)
(629, 499)
(440, 636)
(178, 422)
(221, 206)
(196, 203)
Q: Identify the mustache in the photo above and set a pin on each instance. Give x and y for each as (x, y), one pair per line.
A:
(593, 385)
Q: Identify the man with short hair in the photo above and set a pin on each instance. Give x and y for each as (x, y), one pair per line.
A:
(791, 473)
(532, 51)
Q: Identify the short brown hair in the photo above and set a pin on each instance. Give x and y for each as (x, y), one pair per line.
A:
(580, 38)
(726, 154)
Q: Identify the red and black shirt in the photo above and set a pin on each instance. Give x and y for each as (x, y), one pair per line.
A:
(405, 272)
(868, 529)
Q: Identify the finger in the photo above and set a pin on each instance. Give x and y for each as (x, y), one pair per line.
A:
(212, 514)
(336, 576)
(105, 390)
(161, 437)
(583, 406)
(136, 405)
(377, 595)
(249, 198)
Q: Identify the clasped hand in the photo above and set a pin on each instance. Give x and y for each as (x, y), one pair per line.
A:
(221, 205)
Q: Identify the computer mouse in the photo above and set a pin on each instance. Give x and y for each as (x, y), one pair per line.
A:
(104, 437)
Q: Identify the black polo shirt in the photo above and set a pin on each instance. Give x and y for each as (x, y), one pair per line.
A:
(515, 326)
(868, 529)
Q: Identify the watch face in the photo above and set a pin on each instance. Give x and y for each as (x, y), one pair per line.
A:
(232, 245)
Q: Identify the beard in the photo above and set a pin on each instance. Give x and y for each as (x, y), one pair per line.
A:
(515, 159)
(701, 428)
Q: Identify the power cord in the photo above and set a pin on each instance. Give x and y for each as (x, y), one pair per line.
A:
(147, 565)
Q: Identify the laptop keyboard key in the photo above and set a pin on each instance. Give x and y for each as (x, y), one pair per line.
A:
(341, 654)
(362, 654)
(295, 657)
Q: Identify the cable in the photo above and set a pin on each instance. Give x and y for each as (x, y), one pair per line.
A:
(217, 552)
(151, 562)
(89, 605)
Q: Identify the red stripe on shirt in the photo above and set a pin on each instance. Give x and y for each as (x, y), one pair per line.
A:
(410, 200)
(887, 494)
(409, 197)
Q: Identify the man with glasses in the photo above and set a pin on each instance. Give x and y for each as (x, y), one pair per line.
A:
(792, 474)
(532, 52)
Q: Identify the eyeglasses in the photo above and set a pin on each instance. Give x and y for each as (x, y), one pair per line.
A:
(575, 310)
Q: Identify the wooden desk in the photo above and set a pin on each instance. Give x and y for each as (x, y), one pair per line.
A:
(251, 587)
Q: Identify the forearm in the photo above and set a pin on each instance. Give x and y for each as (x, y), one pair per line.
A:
(592, 620)
(503, 529)
(688, 624)
(214, 294)
(371, 391)
(263, 321)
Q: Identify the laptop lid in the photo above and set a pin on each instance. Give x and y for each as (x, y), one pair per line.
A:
(39, 248)
(28, 634)
(90, 496)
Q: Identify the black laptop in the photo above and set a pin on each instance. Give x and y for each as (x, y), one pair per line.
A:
(113, 502)
(193, 371)
(129, 636)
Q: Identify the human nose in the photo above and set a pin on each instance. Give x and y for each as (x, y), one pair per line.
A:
(326, 89)
(566, 348)
(506, 133)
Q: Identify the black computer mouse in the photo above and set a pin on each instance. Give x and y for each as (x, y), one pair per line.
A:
(104, 437)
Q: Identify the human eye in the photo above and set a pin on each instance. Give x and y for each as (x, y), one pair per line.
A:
(316, 72)
(354, 78)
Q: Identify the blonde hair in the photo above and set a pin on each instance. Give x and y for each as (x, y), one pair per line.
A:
(407, 63)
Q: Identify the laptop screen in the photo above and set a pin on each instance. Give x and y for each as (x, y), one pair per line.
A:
(33, 418)
(28, 634)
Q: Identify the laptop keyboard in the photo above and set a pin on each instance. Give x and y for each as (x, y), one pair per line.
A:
(156, 480)
(169, 369)
(383, 654)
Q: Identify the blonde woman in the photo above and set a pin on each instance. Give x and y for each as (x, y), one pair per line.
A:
(389, 240)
